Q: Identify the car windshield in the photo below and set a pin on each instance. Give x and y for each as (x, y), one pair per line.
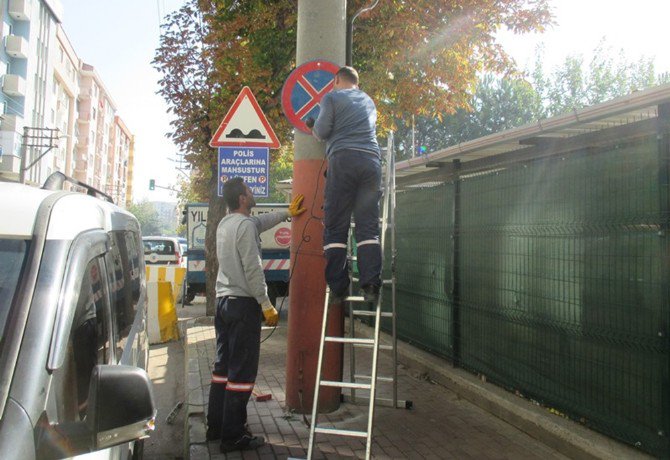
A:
(13, 255)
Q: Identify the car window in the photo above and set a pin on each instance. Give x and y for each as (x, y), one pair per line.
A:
(13, 256)
(183, 248)
(119, 271)
(89, 343)
(162, 247)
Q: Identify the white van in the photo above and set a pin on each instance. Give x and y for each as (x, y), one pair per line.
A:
(73, 342)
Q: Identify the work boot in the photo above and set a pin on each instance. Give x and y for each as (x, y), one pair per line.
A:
(246, 442)
(214, 434)
(370, 293)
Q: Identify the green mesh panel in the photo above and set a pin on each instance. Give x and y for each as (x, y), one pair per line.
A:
(424, 254)
(562, 284)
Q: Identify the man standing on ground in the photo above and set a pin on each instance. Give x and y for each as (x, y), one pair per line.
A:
(347, 122)
(241, 298)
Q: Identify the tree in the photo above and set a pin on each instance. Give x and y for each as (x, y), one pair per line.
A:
(416, 56)
(146, 214)
(498, 104)
(501, 102)
(572, 85)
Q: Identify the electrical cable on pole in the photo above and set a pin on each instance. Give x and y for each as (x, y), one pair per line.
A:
(350, 31)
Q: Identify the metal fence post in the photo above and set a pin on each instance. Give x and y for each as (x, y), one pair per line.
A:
(664, 190)
(455, 268)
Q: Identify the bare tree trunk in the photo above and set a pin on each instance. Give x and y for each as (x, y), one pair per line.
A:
(217, 210)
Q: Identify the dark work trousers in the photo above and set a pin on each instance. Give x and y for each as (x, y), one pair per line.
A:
(353, 185)
(238, 333)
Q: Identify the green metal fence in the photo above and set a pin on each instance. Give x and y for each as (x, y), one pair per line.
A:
(550, 277)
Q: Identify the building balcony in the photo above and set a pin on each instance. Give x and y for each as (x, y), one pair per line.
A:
(11, 123)
(14, 85)
(19, 9)
(17, 46)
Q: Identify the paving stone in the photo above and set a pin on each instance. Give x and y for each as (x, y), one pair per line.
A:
(441, 425)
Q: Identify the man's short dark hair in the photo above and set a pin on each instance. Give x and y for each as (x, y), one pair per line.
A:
(349, 74)
(232, 189)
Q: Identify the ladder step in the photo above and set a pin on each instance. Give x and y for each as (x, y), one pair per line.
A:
(333, 431)
(356, 280)
(385, 314)
(354, 298)
(353, 385)
(366, 345)
(368, 377)
(354, 340)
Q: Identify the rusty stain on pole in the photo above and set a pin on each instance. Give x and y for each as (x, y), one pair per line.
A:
(321, 35)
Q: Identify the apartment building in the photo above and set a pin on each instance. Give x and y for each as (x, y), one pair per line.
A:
(26, 63)
(65, 92)
(119, 170)
(58, 104)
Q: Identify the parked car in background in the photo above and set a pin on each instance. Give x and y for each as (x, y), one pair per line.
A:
(73, 340)
(163, 250)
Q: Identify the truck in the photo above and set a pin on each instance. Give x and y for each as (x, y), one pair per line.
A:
(275, 250)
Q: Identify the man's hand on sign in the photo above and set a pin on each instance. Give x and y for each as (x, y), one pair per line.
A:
(295, 208)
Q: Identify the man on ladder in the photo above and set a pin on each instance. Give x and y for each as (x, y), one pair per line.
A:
(347, 122)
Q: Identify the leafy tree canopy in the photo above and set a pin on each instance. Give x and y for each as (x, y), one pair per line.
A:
(414, 56)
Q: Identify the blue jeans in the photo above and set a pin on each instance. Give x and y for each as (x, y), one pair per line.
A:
(353, 185)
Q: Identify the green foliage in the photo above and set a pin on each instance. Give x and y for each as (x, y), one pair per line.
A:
(502, 103)
(146, 214)
(574, 85)
(498, 104)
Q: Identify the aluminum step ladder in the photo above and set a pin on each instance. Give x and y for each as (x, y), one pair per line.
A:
(370, 381)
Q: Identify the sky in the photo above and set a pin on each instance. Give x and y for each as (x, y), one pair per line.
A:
(119, 38)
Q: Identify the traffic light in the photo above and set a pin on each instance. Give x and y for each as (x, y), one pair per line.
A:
(152, 184)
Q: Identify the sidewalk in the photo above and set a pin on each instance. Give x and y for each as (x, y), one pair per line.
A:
(441, 424)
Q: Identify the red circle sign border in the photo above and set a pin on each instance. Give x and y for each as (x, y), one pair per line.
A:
(290, 83)
(283, 236)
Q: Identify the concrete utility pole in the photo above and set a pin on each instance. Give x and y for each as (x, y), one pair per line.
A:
(321, 35)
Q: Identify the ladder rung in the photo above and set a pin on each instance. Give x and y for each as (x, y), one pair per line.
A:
(385, 314)
(366, 345)
(353, 340)
(356, 280)
(354, 258)
(354, 298)
(336, 432)
(353, 385)
(368, 377)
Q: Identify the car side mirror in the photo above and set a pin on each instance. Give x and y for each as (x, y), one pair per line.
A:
(120, 409)
(121, 405)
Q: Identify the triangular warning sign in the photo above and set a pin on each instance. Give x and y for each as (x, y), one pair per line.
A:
(245, 125)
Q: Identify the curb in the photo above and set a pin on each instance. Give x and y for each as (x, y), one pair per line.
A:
(566, 436)
(195, 422)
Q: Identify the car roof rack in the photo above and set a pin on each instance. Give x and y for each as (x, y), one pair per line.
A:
(56, 180)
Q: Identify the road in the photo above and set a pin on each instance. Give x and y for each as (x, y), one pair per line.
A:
(166, 369)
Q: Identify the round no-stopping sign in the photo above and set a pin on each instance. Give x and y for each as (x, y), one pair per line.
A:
(283, 236)
(304, 89)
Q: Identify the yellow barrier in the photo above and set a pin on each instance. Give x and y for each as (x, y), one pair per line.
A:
(162, 314)
(172, 274)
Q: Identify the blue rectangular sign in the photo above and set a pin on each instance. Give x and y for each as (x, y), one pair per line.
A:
(250, 163)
